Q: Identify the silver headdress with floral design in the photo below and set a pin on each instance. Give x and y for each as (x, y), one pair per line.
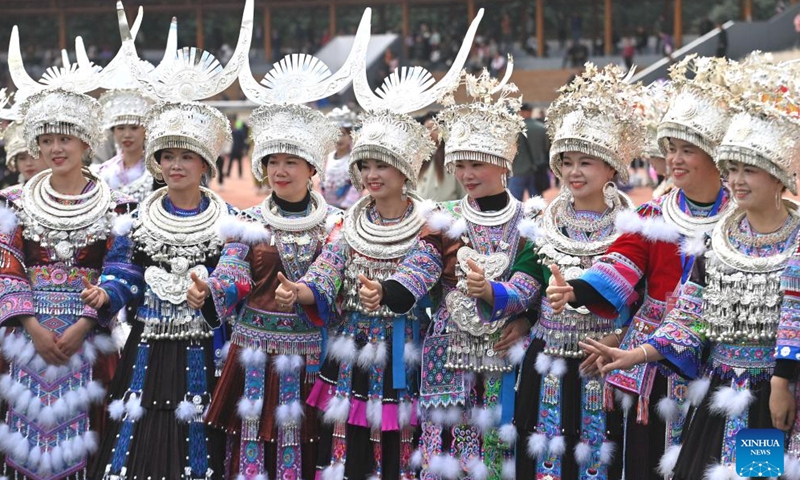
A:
(485, 129)
(56, 103)
(14, 143)
(283, 124)
(654, 104)
(387, 132)
(765, 130)
(180, 81)
(343, 117)
(698, 113)
(596, 114)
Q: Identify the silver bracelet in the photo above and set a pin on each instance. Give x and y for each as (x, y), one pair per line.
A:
(645, 353)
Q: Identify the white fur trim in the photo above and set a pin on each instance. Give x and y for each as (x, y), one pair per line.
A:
(91, 441)
(668, 461)
(331, 221)
(721, 472)
(730, 402)
(333, 472)
(185, 411)
(529, 229)
(57, 457)
(282, 364)
(509, 469)
(436, 415)
(381, 354)
(262, 476)
(404, 409)
(628, 221)
(482, 418)
(96, 392)
(249, 409)
(667, 409)
(607, 450)
(416, 459)
(440, 221)
(337, 410)
(426, 207)
(343, 349)
(477, 469)
(583, 453)
(297, 362)
(253, 358)
(625, 400)
(366, 356)
(134, 408)
(516, 354)
(225, 350)
(446, 466)
(8, 220)
(34, 456)
(18, 448)
(89, 353)
(697, 391)
(122, 225)
(458, 228)
(46, 463)
(657, 229)
(412, 356)
(557, 445)
(558, 367)
(375, 413)
(537, 445)
(543, 363)
(508, 434)
(47, 417)
(453, 416)
(34, 407)
(791, 467)
(535, 205)
(694, 245)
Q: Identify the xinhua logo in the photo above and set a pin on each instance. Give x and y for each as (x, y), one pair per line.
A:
(759, 452)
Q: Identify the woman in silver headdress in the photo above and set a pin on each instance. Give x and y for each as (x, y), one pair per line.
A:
(730, 305)
(56, 233)
(18, 158)
(565, 431)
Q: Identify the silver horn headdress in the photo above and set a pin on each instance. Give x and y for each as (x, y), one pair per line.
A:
(388, 133)
(180, 81)
(283, 124)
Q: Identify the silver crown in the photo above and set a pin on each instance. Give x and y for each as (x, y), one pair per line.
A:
(766, 130)
(698, 113)
(282, 124)
(182, 79)
(343, 117)
(293, 129)
(388, 133)
(14, 141)
(653, 105)
(596, 114)
(486, 129)
(124, 107)
(61, 112)
(187, 125)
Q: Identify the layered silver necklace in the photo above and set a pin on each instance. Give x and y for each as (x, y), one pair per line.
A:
(61, 223)
(183, 243)
(742, 296)
(688, 224)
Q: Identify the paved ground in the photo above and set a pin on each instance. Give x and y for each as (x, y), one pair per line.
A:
(243, 193)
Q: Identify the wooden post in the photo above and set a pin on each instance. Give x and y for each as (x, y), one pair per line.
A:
(608, 28)
(332, 18)
(405, 29)
(267, 33)
(678, 25)
(747, 13)
(62, 30)
(470, 9)
(200, 39)
(540, 27)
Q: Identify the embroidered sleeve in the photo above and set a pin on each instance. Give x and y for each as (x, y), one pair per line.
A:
(678, 338)
(420, 269)
(16, 297)
(616, 274)
(231, 281)
(121, 279)
(519, 292)
(325, 277)
(788, 341)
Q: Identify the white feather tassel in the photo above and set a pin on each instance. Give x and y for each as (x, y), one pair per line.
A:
(667, 409)
(446, 466)
(509, 469)
(559, 367)
(416, 459)
(543, 363)
(381, 354)
(537, 445)
(721, 472)
(282, 364)
(583, 453)
(412, 356)
(557, 445)
(607, 450)
(697, 390)
(375, 413)
(453, 416)
(338, 410)
(508, 434)
(729, 402)
(668, 461)
(477, 469)
(458, 228)
(516, 354)
(333, 472)
(122, 225)
(185, 411)
(134, 408)
(404, 413)
(366, 357)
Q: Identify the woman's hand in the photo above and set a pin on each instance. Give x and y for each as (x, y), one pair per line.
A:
(513, 331)
(781, 404)
(589, 365)
(197, 293)
(44, 341)
(73, 337)
(370, 293)
(610, 359)
(477, 285)
(93, 296)
(286, 293)
(559, 292)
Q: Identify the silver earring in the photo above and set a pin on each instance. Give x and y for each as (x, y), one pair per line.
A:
(505, 181)
(404, 191)
(610, 194)
(310, 185)
(778, 200)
